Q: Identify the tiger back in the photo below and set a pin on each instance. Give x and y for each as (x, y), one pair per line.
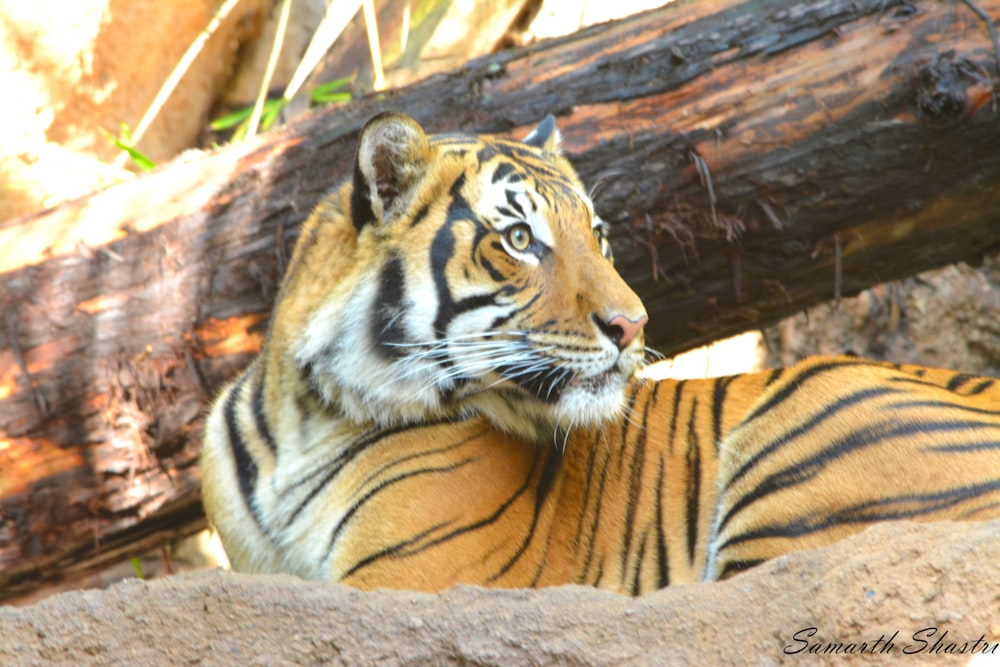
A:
(446, 395)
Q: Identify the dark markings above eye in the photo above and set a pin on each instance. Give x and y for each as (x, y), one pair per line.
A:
(513, 203)
(503, 171)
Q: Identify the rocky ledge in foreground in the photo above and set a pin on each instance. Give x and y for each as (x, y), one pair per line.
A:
(899, 591)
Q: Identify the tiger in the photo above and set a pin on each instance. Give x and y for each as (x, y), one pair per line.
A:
(453, 389)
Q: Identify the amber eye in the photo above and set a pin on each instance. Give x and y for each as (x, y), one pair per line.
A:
(519, 237)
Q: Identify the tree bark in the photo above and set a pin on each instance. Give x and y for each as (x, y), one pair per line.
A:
(754, 158)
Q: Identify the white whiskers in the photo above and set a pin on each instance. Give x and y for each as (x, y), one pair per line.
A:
(491, 357)
(651, 356)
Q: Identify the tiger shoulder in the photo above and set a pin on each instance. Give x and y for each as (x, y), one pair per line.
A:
(448, 394)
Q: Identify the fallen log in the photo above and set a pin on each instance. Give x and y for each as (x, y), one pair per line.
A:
(753, 157)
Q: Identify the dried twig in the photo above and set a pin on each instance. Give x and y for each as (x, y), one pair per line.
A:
(175, 77)
(706, 180)
(338, 15)
(371, 25)
(272, 63)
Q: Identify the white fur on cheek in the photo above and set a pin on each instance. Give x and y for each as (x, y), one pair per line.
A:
(348, 371)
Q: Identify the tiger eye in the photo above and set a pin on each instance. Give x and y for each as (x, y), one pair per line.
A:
(600, 232)
(519, 237)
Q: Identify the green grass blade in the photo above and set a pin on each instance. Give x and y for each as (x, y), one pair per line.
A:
(124, 143)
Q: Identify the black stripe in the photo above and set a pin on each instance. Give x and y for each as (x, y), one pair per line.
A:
(662, 563)
(495, 274)
(674, 414)
(503, 319)
(595, 521)
(636, 588)
(421, 215)
(400, 460)
(623, 445)
(547, 478)
(545, 481)
(737, 566)
(511, 197)
(893, 508)
(387, 327)
(387, 484)
(486, 153)
(634, 482)
(929, 403)
(492, 518)
(518, 152)
(528, 159)
(361, 206)
(693, 476)
(329, 470)
(502, 171)
(985, 384)
(598, 576)
(982, 386)
(651, 399)
(827, 412)
(964, 448)
(958, 381)
(718, 402)
(246, 467)
(542, 562)
(413, 545)
(392, 549)
(453, 139)
(797, 381)
(861, 438)
(587, 487)
(259, 415)
(442, 250)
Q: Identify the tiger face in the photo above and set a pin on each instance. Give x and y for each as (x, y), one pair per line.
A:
(478, 280)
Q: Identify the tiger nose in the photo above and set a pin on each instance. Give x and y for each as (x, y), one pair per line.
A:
(622, 331)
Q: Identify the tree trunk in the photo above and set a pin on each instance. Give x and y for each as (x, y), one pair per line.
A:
(754, 158)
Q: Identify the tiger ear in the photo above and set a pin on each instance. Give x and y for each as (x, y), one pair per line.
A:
(546, 136)
(392, 157)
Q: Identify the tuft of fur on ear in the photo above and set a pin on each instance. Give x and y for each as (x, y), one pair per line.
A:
(545, 136)
(392, 157)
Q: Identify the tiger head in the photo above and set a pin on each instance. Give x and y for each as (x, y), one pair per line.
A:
(457, 275)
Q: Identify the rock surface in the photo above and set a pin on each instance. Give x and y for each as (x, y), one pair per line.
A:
(897, 587)
(945, 318)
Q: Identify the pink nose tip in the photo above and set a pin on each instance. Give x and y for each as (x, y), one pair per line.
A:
(629, 328)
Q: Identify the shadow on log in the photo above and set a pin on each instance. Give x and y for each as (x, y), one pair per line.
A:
(754, 158)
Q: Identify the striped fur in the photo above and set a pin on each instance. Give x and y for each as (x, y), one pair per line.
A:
(676, 481)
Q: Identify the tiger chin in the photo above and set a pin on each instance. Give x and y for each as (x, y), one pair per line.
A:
(451, 309)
